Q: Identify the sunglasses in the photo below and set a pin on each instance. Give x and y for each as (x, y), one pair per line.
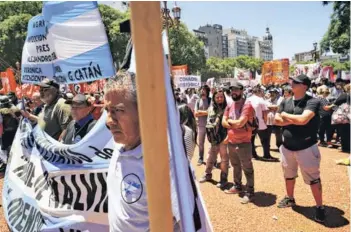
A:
(44, 90)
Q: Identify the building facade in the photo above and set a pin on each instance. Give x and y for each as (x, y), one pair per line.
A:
(233, 42)
(214, 36)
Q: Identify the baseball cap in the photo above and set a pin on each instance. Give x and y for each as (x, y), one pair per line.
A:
(46, 83)
(274, 90)
(79, 99)
(303, 79)
(236, 85)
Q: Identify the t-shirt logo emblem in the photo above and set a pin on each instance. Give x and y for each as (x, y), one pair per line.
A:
(131, 188)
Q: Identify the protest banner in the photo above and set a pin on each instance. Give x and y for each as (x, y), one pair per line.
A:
(54, 50)
(8, 81)
(345, 75)
(49, 186)
(326, 72)
(185, 82)
(275, 72)
(242, 74)
(38, 53)
(180, 70)
(310, 70)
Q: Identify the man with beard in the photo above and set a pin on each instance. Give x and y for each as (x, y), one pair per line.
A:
(201, 107)
(238, 119)
(55, 115)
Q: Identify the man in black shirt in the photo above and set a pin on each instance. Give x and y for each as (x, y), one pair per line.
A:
(299, 116)
(82, 122)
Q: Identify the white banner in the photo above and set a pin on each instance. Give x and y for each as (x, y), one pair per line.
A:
(49, 186)
(187, 81)
(310, 70)
(242, 74)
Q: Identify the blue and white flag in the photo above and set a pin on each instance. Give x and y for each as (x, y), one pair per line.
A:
(51, 187)
(78, 41)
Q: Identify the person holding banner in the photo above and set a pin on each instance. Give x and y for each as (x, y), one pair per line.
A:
(127, 198)
(55, 115)
(201, 107)
(82, 122)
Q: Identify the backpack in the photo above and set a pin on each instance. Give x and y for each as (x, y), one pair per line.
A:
(254, 124)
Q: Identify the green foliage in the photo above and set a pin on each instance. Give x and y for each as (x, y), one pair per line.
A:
(217, 67)
(117, 40)
(14, 19)
(338, 35)
(186, 48)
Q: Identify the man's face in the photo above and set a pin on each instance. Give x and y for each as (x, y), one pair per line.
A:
(79, 111)
(36, 101)
(298, 87)
(122, 118)
(237, 94)
(339, 85)
(273, 95)
(48, 95)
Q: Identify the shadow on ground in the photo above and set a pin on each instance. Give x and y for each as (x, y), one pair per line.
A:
(263, 199)
(334, 216)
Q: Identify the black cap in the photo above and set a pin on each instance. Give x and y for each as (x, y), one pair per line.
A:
(46, 83)
(237, 85)
(79, 99)
(303, 79)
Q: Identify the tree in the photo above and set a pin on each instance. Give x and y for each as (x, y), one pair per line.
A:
(337, 36)
(14, 19)
(218, 67)
(186, 49)
(117, 40)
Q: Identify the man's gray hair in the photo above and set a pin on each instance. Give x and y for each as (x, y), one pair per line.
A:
(123, 81)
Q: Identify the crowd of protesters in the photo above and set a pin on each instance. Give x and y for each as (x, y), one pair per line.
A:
(300, 115)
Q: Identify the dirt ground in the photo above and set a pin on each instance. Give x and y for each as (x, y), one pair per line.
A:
(228, 214)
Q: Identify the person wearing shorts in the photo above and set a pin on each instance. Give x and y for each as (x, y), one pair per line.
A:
(299, 116)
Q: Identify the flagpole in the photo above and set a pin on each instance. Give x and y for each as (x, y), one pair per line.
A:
(146, 36)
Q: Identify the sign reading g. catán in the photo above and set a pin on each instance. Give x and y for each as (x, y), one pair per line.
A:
(54, 187)
(67, 43)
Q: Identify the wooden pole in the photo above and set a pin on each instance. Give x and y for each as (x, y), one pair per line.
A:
(146, 34)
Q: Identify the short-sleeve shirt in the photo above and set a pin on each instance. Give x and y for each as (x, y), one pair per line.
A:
(324, 113)
(300, 137)
(259, 105)
(127, 197)
(234, 112)
(271, 115)
(202, 104)
(55, 117)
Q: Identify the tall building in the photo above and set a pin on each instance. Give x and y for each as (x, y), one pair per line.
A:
(203, 37)
(214, 36)
(233, 42)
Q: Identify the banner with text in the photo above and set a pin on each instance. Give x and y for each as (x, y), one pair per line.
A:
(50, 187)
(67, 43)
(310, 70)
(275, 72)
(185, 82)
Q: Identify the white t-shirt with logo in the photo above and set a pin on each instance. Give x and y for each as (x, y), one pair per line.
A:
(127, 199)
(259, 106)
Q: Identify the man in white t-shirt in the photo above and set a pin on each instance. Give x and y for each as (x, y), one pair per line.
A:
(126, 185)
(192, 97)
(261, 111)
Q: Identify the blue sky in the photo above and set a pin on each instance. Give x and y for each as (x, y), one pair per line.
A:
(294, 25)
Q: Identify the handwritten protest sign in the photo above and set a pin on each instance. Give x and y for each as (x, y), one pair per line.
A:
(185, 82)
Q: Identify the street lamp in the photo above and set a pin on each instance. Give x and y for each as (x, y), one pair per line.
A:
(168, 22)
(315, 51)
